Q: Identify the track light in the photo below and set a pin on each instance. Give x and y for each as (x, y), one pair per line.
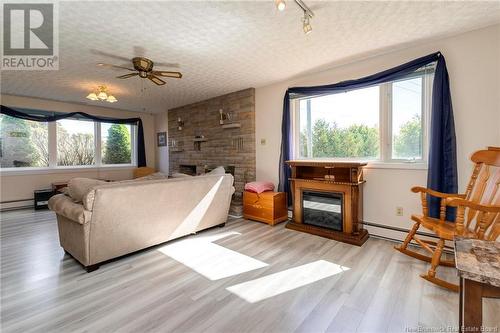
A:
(280, 5)
(308, 13)
(306, 25)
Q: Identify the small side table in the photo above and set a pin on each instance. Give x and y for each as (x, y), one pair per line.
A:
(41, 198)
(58, 186)
(478, 265)
(268, 207)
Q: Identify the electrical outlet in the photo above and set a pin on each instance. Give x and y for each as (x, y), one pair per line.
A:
(263, 142)
(399, 211)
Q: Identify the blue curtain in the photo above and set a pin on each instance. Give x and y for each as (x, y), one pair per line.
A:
(442, 174)
(49, 117)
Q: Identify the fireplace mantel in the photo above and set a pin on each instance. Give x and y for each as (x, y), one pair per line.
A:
(341, 177)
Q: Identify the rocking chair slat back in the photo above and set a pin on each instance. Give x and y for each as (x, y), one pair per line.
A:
(495, 229)
(483, 189)
(478, 191)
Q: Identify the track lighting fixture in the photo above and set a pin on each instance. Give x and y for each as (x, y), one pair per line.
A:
(280, 5)
(308, 14)
(306, 26)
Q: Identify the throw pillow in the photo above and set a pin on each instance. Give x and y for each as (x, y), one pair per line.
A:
(78, 187)
(259, 187)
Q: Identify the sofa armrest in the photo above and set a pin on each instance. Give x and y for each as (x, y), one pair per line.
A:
(63, 205)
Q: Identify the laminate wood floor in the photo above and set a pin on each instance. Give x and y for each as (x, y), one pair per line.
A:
(245, 277)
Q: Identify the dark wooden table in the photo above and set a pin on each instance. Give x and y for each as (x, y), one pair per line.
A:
(478, 265)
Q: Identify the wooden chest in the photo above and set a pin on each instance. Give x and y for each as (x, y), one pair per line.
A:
(267, 207)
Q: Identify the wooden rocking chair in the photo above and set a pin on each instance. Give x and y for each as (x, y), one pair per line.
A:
(478, 214)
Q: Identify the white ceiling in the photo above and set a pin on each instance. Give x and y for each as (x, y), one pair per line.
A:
(226, 46)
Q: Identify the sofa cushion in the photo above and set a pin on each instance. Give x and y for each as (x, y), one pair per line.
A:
(217, 171)
(63, 205)
(180, 175)
(153, 176)
(78, 187)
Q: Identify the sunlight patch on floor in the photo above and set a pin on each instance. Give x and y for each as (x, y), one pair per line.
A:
(211, 260)
(271, 285)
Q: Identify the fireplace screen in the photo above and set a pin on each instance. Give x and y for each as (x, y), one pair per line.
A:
(322, 209)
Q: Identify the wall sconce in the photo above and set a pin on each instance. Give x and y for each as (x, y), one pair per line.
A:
(180, 124)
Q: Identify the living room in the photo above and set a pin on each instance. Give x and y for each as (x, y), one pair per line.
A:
(266, 166)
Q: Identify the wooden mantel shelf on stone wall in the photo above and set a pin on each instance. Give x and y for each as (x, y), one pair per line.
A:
(327, 198)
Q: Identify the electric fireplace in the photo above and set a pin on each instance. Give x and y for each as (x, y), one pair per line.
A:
(322, 209)
(327, 199)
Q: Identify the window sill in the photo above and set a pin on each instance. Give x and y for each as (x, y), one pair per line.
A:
(67, 169)
(397, 165)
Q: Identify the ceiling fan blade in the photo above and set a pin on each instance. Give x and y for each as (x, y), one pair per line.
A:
(126, 76)
(167, 64)
(176, 75)
(140, 51)
(115, 66)
(105, 54)
(156, 80)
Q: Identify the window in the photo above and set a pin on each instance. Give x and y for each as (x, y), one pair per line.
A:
(116, 145)
(75, 142)
(407, 130)
(344, 125)
(65, 143)
(23, 143)
(379, 123)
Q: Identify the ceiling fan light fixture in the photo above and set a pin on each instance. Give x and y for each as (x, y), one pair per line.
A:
(111, 99)
(92, 96)
(102, 96)
(280, 5)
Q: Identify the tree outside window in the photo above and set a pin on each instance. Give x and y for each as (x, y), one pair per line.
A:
(23, 143)
(116, 144)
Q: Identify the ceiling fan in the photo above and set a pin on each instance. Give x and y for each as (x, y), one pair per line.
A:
(143, 67)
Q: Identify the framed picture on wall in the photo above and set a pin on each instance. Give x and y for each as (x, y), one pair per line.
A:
(161, 139)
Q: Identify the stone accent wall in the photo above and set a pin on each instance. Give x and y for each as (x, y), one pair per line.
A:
(228, 147)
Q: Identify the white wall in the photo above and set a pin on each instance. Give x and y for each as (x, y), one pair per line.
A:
(473, 64)
(161, 125)
(17, 187)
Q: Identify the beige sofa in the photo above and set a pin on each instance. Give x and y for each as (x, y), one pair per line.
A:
(120, 218)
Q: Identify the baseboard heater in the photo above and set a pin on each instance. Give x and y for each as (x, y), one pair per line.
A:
(448, 249)
(16, 204)
(388, 227)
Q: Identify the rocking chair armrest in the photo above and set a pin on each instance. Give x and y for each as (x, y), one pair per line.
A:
(420, 189)
(458, 202)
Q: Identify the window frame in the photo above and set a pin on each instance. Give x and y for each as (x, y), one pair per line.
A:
(385, 127)
(52, 149)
